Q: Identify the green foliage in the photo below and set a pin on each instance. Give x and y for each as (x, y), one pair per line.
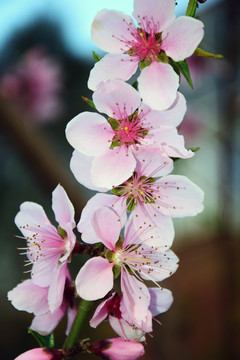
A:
(96, 56)
(200, 52)
(43, 341)
(181, 67)
(89, 102)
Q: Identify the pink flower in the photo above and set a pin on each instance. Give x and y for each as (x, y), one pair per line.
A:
(135, 260)
(117, 349)
(157, 37)
(32, 298)
(131, 125)
(48, 249)
(152, 196)
(40, 354)
(33, 86)
(120, 318)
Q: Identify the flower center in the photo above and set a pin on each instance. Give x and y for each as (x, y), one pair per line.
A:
(129, 130)
(44, 242)
(137, 189)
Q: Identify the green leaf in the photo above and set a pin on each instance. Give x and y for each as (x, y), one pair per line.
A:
(183, 66)
(114, 124)
(200, 52)
(116, 271)
(89, 102)
(62, 233)
(43, 341)
(144, 63)
(96, 56)
(191, 8)
(194, 149)
(130, 204)
(135, 84)
(175, 66)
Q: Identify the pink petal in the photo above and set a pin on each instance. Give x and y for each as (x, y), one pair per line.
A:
(151, 162)
(135, 300)
(112, 168)
(71, 314)
(158, 12)
(172, 144)
(95, 279)
(56, 288)
(181, 196)
(101, 312)
(158, 84)
(81, 167)
(172, 116)
(116, 99)
(126, 331)
(85, 227)
(166, 266)
(29, 297)
(109, 27)
(161, 300)
(36, 354)
(46, 323)
(107, 226)
(121, 349)
(89, 133)
(31, 214)
(182, 38)
(62, 207)
(153, 228)
(43, 270)
(112, 66)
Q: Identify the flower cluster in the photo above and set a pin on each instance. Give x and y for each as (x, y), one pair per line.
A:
(125, 151)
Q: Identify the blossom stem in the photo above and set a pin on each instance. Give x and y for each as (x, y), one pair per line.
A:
(79, 320)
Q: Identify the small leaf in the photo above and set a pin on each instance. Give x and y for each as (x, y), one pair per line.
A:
(42, 341)
(194, 149)
(191, 8)
(117, 191)
(183, 66)
(175, 66)
(114, 124)
(200, 52)
(130, 204)
(135, 84)
(62, 233)
(89, 102)
(96, 56)
(116, 271)
(144, 64)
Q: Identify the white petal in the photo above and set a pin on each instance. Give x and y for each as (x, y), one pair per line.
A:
(160, 13)
(161, 300)
(95, 279)
(180, 197)
(85, 227)
(112, 66)
(62, 207)
(116, 98)
(112, 168)
(81, 167)
(158, 84)
(182, 38)
(110, 30)
(89, 133)
(107, 226)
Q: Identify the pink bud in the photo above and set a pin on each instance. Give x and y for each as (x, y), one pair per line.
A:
(40, 354)
(118, 349)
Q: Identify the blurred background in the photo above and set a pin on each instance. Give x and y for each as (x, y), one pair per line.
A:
(46, 56)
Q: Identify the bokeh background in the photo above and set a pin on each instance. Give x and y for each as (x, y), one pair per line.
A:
(46, 56)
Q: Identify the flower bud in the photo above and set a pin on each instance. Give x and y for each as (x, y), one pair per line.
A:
(117, 349)
(40, 354)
